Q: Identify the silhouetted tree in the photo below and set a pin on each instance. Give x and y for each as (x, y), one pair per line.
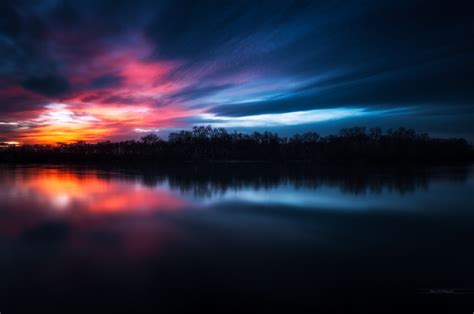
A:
(151, 139)
(207, 143)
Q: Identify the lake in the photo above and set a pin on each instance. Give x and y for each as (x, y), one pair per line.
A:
(236, 237)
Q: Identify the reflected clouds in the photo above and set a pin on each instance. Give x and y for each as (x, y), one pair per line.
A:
(90, 196)
(98, 190)
(66, 190)
(135, 231)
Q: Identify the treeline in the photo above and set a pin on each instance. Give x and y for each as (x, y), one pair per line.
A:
(207, 143)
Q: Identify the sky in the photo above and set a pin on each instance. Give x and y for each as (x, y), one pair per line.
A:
(113, 70)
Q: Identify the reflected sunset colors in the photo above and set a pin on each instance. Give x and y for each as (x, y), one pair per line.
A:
(87, 196)
(64, 190)
(111, 234)
(85, 208)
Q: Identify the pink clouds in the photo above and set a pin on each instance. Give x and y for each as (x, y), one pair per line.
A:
(114, 91)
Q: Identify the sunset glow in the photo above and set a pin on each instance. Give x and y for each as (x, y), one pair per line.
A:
(69, 192)
(86, 71)
(221, 156)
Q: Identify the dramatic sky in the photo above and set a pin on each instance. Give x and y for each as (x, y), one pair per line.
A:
(109, 70)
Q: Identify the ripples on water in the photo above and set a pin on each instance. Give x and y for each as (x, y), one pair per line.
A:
(234, 236)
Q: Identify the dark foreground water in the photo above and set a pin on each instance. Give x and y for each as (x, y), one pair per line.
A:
(248, 238)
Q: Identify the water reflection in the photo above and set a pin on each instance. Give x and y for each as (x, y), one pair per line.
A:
(143, 189)
(118, 236)
(207, 181)
(72, 191)
(62, 189)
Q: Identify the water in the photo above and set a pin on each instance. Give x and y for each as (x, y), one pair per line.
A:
(236, 237)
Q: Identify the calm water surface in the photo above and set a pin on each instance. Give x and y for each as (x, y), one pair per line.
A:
(236, 237)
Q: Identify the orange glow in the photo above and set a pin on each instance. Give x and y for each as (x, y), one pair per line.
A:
(86, 202)
(11, 143)
(95, 123)
(64, 134)
(136, 99)
(67, 191)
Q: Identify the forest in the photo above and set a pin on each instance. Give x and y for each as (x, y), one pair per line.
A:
(205, 143)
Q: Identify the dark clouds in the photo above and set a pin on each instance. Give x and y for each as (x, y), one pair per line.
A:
(50, 85)
(241, 58)
(109, 80)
